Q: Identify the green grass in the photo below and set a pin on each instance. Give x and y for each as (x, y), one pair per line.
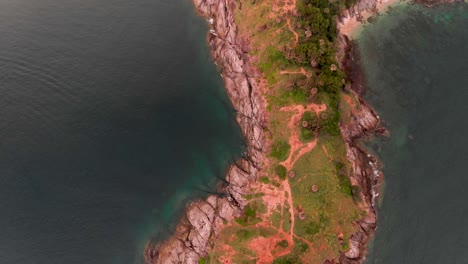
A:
(288, 259)
(286, 220)
(280, 150)
(255, 195)
(272, 61)
(276, 219)
(286, 97)
(330, 209)
(244, 234)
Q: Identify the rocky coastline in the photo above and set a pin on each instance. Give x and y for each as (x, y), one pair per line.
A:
(203, 219)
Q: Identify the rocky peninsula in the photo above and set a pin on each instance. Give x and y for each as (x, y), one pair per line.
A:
(252, 180)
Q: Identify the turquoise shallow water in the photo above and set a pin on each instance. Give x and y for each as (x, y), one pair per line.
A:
(416, 65)
(112, 116)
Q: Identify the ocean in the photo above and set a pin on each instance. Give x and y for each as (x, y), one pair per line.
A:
(112, 117)
(416, 67)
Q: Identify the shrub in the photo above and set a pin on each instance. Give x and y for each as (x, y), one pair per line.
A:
(280, 170)
(311, 119)
(301, 246)
(249, 217)
(250, 211)
(345, 184)
(283, 243)
(276, 183)
(264, 180)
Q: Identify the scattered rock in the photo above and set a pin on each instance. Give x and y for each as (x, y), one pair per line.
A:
(314, 188)
(301, 216)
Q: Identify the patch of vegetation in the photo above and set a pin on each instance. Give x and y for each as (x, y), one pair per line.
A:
(283, 243)
(273, 59)
(250, 211)
(307, 134)
(343, 179)
(300, 246)
(251, 196)
(345, 245)
(324, 220)
(202, 261)
(288, 259)
(280, 150)
(312, 228)
(280, 170)
(249, 217)
(309, 125)
(329, 121)
(345, 184)
(276, 184)
(244, 234)
(295, 95)
(286, 220)
(264, 179)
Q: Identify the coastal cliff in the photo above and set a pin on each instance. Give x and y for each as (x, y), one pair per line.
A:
(204, 218)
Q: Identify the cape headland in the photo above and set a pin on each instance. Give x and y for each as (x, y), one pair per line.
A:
(304, 190)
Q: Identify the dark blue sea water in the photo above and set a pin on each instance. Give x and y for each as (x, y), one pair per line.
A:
(111, 117)
(416, 65)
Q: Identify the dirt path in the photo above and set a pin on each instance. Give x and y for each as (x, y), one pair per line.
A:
(266, 248)
(325, 150)
(297, 147)
(296, 36)
(302, 71)
(290, 6)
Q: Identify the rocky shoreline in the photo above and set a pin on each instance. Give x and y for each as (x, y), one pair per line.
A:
(203, 219)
